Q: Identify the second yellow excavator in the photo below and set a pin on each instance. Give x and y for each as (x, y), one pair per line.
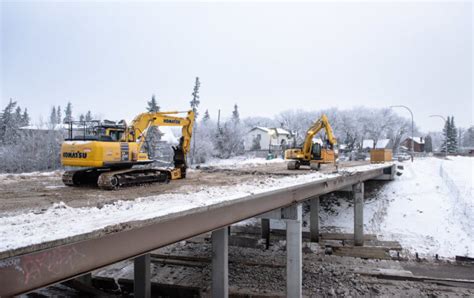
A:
(314, 154)
(108, 154)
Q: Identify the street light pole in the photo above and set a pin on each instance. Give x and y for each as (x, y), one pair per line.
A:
(412, 129)
(444, 119)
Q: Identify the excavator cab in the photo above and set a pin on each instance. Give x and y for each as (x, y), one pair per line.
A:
(316, 151)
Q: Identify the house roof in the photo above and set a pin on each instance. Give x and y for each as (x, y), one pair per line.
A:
(381, 144)
(279, 131)
(282, 131)
(368, 144)
(265, 129)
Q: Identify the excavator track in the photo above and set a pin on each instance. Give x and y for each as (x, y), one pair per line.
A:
(123, 178)
(109, 179)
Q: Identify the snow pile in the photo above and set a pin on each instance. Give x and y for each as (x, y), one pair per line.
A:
(62, 221)
(10, 177)
(240, 161)
(420, 210)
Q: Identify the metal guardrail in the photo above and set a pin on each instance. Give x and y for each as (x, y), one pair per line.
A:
(27, 272)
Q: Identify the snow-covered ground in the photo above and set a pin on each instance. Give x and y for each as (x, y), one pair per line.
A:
(240, 161)
(429, 209)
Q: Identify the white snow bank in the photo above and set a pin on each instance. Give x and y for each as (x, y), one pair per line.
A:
(420, 210)
(241, 161)
(14, 176)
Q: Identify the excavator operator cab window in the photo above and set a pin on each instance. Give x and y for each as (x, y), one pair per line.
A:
(316, 151)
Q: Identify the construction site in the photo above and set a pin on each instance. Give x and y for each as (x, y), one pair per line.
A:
(312, 162)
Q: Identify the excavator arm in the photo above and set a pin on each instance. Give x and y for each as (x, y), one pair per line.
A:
(138, 129)
(321, 123)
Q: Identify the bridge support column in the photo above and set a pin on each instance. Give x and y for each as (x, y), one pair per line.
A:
(294, 275)
(141, 272)
(220, 264)
(266, 231)
(358, 194)
(314, 219)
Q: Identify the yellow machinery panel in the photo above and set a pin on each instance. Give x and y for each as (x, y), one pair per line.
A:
(99, 154)
(380, 155)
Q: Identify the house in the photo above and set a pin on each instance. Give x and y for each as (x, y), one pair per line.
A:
(267, 138)
(418, 144)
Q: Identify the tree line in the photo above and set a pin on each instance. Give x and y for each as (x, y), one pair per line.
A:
(23, 150)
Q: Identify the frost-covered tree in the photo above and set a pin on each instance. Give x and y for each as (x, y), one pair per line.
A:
(82, 118)
(152, 105)
(453, 137)
(9, 123)
(153, 135)
(468, 137)
(206, 116)
(428, 144)
(68, 113)
(229, 140)
(450, 136)
(235, 114)
(58, 115)
(88, 116)
(53, 121)
(25, 118)
(195, 101)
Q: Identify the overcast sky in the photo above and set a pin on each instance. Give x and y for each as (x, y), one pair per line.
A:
(266, 57)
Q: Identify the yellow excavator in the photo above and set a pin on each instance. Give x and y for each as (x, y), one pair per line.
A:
(314, 154)
(108, 153)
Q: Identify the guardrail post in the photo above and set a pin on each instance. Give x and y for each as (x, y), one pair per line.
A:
(141, 273)
(314, 219)
(220, 264)
(358, 194)
(294, 276)
(266, 231)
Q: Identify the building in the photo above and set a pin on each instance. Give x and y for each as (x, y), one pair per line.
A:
(384, 144)
(418, 144)
(268, 139)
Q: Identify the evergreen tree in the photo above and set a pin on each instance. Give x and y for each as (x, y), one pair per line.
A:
(446, 130)
(428, 144)
(10, 122)
(153, 105)
(58, 115)
(195, 101)
(88, 116)
(25, 118)
(82, 118)
(68, 113)
(153, 134)
(235, 114)
(452, 137)
(206, 116)
(52, 117)
(17, 118)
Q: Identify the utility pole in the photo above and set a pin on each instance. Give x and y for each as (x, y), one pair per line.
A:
(444, 119)
(412, 129)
